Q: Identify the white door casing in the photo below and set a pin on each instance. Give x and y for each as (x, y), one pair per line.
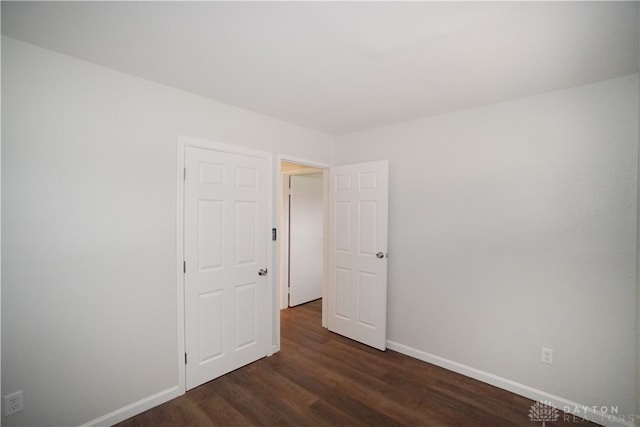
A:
(225, 245)
(305, 238)
(358, 235)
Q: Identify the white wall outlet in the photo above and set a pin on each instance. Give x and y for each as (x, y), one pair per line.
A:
(547, 356)
(13, 403)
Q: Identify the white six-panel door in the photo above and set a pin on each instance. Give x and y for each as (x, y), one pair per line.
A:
(358, 222)
(225, 231)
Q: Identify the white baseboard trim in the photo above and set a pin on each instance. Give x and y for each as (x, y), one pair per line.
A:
(142, 405)
(135, 408)
(592, 414)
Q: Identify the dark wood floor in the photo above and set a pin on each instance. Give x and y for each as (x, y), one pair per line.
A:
(322, 379)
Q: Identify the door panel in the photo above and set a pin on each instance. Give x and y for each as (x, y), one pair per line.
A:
(210, 312)
(209, 234)
(225, 229)
(358, 222)
(245, 220)
(305, 238)
(245, 315)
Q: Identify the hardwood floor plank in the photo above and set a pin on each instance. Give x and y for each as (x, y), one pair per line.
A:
(322, 379)
(253, 406)
(365, 387)
(328, 384)
(331, 416)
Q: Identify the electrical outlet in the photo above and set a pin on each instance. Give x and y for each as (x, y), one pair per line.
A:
(13, 403)
(547, 356)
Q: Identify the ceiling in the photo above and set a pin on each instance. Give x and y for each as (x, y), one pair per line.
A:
(339, 67)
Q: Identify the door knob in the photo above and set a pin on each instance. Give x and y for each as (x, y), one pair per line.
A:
(380, 255)
(262, 272)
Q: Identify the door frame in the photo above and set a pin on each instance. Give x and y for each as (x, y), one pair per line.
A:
(281, 289)
(187, 141)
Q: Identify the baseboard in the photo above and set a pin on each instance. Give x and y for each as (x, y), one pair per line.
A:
(582, 411)
(135, 408)
(142, 405)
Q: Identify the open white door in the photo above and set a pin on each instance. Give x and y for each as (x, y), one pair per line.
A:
(305, 238)
(358, 224)
(225, 230)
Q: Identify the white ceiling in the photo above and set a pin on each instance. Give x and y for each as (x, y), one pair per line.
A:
(343, 66)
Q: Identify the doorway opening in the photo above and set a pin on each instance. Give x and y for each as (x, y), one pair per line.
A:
(302, 241)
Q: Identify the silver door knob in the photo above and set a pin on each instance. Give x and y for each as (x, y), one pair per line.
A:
(380, 255)
(262, 272)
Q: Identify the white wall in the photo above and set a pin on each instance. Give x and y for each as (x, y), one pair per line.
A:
(89, 253)
(513, 227)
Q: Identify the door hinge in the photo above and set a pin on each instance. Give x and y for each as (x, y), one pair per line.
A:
(185, 358)
(184, 266)
(184, 174)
